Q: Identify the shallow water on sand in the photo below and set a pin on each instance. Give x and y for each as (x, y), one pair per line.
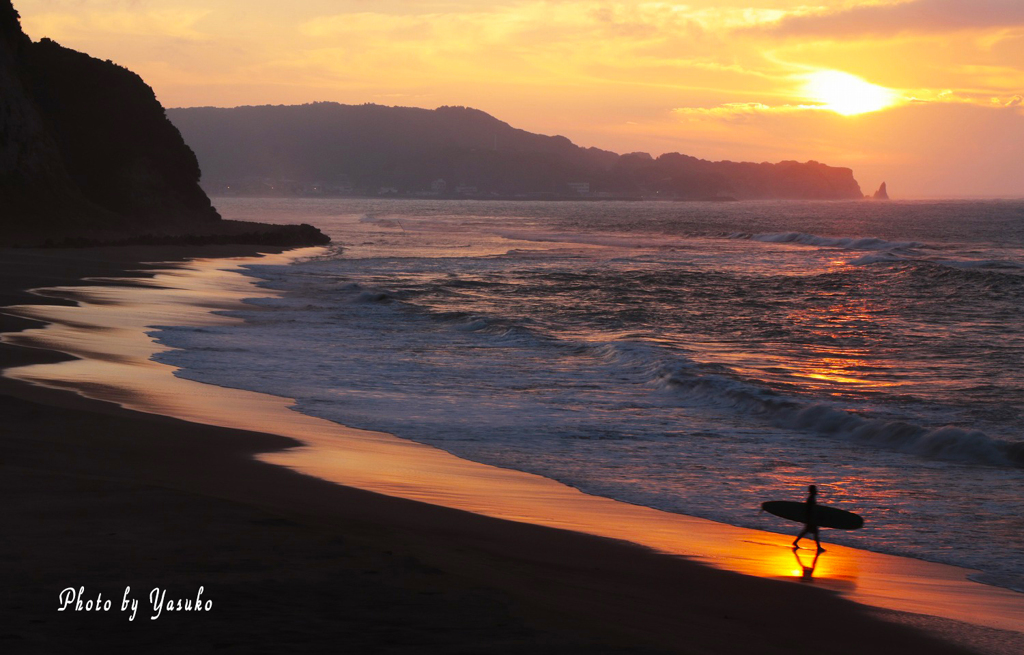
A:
(697, 358)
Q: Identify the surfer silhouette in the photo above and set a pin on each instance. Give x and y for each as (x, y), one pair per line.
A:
(813, 516)
(810, 526)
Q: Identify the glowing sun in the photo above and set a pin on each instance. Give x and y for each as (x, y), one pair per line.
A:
(847, 94)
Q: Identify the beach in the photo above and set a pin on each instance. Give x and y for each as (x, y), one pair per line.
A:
(293, 561)
(528, 327)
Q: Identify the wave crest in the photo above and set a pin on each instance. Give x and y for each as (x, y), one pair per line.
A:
(946, 442)
(846, 243)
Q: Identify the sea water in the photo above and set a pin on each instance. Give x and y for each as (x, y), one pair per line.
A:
(693, 357)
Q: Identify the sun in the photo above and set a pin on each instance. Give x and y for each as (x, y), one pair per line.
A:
(847, 94)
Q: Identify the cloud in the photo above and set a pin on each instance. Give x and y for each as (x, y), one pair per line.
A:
(745, 112)
(738, 112)
(950, 97)
(915, 16)
(170, 23)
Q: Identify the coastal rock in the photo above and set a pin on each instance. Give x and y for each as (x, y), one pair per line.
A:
(87, 154)
(881, 194)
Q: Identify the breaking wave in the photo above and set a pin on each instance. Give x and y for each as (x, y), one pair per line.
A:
(945, 442)
(845, 243)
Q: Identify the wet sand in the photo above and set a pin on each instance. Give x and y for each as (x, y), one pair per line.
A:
(410, 551)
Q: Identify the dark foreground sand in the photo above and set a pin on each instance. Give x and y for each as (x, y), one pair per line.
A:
(101, 497)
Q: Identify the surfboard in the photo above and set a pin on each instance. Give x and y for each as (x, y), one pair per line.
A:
(824, 516)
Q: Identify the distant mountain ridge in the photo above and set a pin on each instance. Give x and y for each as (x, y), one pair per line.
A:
(330, 148)
(87, 155)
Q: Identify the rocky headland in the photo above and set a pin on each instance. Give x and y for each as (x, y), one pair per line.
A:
(87, 156)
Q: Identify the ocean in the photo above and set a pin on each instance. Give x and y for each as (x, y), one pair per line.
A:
(697, 358)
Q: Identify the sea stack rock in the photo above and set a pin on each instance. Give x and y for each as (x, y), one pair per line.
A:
(881, 194)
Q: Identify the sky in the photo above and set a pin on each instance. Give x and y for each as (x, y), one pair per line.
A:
(925, 95)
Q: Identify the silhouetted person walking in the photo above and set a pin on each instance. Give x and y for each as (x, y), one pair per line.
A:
(809, 524)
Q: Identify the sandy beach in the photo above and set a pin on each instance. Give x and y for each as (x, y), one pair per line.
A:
(311, 537)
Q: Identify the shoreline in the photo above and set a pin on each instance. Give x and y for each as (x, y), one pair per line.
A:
(118, 370)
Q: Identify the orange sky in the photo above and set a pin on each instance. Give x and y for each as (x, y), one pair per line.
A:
(924, 94)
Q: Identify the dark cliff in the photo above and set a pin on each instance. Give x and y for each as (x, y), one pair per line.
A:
(87, 155)
(363, 148)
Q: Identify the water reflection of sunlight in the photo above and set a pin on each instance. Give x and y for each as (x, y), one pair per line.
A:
(806, 563)
(775, 559)
(784, 562)
(841, 353)
(837, 349)
(830, 369)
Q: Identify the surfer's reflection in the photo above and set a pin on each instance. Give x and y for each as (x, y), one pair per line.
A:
(808, 571)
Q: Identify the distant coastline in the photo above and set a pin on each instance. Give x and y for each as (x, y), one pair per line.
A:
(334, 150)
(540, 197)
